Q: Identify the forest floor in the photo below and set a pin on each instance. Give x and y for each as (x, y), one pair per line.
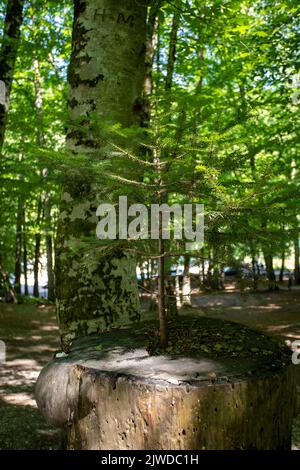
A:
(31, 337)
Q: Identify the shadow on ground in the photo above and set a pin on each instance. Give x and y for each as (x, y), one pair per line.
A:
(31, 337)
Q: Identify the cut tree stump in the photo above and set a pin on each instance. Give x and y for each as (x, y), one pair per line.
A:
(109, 393)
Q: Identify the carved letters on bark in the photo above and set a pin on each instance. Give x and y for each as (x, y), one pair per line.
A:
(120, 18)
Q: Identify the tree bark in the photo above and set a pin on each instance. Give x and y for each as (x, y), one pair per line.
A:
(254, 267)
(270, 270)
(106, 74)
(282, 266)
(177, 290)
(202, 271)
(40, 142)
(172, 50)
(10, 294)
(8, 55)
(25, 260)
(49, 250)
(169, 402)
(45, 198)
(18, 252)
(38, 104)
(151, 42)
(186, 286)
(268, 257)
(296, 259)
(37, 251)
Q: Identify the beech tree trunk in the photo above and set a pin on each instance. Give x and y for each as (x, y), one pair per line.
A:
(25, 260)
(270, 271)
(45, 203)
(18, 251)
(151, 42)
(49, 249)
(282, 266)
(186, 285)
(37, 252)
(177, 292)
(254, 271)
(106, 74)
(296, 259)
(172, 50)
(9, 294)
(40, 142)
(8, 55)
(267, 250)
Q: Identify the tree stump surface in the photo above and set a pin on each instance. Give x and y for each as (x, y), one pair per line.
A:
(109, 393)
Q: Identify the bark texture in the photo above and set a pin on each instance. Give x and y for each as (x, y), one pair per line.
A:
(8, 55)
(25, 257)
(296, 259)
(151, 43)
(121, 398)
(152, 416)
(49, 249)
(172, 50)
(186, 284)
(106, 74)
(18, 250)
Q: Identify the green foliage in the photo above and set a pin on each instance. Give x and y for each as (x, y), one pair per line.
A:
(227, 132)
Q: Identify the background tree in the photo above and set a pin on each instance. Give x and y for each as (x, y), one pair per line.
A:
(8, 55)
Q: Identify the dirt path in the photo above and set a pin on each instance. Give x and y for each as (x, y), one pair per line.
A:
(276, 313)
(30, 335)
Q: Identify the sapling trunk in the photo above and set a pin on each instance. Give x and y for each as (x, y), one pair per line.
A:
(163, 327)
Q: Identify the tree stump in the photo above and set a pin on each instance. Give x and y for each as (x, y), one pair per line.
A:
(109, 393)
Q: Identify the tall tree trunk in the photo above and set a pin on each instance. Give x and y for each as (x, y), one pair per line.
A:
(38, 104)
(267, 250)
(18, 252)
(151, 43)
(45, 198)
(40, 142)
(95, 291)
(296, 259)
(216, 280)
(148, 274)
(19, 234)
(177, 292)
(270, 270)
(8, 55)
(172, 50)
(37, 251)
(9, 294)
(209, 279)
(254, 267)
(49, 250)
(36, 264)
(25, 260)
(282, 265)
(142, 272)
(186, 285)
(294, 173)
(152, 288)
(202, 271)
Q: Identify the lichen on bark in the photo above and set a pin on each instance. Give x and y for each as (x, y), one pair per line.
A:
(94, 289)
